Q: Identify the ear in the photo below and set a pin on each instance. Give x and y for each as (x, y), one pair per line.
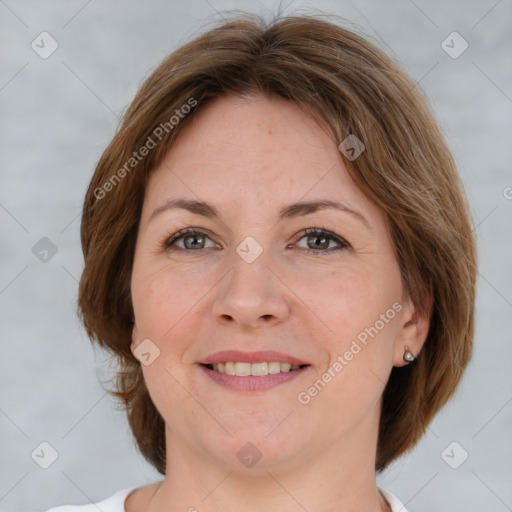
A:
(414, 330)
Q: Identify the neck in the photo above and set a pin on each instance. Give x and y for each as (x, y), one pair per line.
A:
(339, 478)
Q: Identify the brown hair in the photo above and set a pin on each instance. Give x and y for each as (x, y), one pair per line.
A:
(406, 169)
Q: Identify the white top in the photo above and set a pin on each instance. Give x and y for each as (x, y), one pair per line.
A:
(116, 503)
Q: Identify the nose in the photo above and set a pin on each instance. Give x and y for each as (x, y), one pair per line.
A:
(251, 295)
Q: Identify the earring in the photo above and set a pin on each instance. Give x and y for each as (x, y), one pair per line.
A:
(408, 356)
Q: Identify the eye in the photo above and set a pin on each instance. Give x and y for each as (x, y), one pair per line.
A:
(191, 238)
(319, 241)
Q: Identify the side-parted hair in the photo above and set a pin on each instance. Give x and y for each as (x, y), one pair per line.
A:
(407, 170)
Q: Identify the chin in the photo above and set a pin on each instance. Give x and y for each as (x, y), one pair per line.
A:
(255, 451)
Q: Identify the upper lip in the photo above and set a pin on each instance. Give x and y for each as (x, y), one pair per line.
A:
(251, 357)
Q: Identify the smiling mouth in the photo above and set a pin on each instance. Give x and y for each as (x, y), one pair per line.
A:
(243, 369)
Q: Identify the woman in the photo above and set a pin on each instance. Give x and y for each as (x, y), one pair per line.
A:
(279, 252)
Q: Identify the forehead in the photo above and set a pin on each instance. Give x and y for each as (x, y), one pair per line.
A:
(254, 151)
(256, 127)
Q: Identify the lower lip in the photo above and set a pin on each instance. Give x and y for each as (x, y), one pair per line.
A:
(252, 382)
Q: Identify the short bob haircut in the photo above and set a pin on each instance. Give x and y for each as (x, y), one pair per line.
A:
(351, 87)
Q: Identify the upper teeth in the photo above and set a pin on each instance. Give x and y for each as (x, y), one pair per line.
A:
(244, 369)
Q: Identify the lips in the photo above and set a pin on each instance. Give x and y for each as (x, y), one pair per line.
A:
(252, 357)
(251, 382)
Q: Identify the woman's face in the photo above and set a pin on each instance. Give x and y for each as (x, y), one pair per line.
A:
(259, 275)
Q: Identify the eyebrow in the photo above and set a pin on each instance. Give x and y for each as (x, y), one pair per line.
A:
(208, 210)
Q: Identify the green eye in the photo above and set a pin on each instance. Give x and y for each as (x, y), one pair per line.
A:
(193, 239)
(319, 241)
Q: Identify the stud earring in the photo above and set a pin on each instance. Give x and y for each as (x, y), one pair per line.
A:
(408, 356)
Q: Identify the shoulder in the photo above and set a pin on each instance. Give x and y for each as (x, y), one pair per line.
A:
(394, 502)
(114, 503)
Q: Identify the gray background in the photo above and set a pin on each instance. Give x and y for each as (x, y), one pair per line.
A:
(56, 117)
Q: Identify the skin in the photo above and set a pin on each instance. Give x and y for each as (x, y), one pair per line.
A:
(250, 157)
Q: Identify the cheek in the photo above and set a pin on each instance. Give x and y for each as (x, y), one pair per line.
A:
(162, 297)
(348, 299)
(168, 387)
(358, 309)
(355, 309)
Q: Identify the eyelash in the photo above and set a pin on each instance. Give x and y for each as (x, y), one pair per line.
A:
(320, 232)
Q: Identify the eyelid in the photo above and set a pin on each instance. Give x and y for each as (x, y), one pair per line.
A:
(325, 232)
(169, 241)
